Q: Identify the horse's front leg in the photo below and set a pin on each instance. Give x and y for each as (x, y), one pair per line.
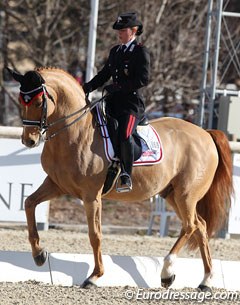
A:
(93, 212)
(45, 192)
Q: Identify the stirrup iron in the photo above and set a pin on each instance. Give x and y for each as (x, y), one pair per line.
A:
(123, 188)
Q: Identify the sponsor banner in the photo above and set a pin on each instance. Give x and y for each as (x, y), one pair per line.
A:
(21, 174)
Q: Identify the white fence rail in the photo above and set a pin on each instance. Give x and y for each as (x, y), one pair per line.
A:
(10, 132)
(235, 146)
(15, 133)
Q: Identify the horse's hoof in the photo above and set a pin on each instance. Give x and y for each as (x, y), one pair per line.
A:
(167, 282)
(41, 258)
(204, 288)
(88, 284)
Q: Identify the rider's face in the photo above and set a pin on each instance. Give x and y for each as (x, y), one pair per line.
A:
(125, 35)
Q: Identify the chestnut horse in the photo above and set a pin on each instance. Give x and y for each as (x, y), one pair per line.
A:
(195, 176)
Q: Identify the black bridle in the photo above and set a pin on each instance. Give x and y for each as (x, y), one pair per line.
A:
(42, 124)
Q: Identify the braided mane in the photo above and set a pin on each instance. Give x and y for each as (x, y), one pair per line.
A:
(50, 68)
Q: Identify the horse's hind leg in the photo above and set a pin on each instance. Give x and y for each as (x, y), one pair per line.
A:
(201, 236)
(45, 192)
(193, 226)
(198, 231)
(189, 226)
(93, 211)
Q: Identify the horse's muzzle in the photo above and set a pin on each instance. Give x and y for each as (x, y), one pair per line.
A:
(31, 140)
(30, 143)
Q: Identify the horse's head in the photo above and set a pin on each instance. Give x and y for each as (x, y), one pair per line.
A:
(33, 99)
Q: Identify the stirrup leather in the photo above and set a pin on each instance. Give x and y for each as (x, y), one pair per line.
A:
(123, 188)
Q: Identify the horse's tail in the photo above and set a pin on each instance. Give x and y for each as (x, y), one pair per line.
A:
(214, 206)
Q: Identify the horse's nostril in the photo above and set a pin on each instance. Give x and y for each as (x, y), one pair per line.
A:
(31, 143)
(30, 140)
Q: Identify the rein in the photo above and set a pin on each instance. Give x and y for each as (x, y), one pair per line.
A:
(87, 108)
(42, 123)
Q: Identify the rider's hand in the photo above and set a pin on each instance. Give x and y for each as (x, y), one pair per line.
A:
(112, 88)
(87, 88)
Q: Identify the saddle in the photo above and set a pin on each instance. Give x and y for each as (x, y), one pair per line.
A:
(112, 127)
(146, 143)
(114, 169)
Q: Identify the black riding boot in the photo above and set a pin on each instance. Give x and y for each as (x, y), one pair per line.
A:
(126, 159)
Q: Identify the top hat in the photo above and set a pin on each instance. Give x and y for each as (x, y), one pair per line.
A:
(128, 20)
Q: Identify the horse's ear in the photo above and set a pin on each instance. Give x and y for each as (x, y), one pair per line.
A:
(17, 76)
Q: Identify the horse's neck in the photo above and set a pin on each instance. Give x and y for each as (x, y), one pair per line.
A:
(81, 130)
(68, 110)
(69, 99)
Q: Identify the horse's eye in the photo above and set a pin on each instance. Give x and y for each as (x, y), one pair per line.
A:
(38, 104)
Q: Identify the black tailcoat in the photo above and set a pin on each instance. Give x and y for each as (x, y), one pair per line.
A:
(129, 71)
